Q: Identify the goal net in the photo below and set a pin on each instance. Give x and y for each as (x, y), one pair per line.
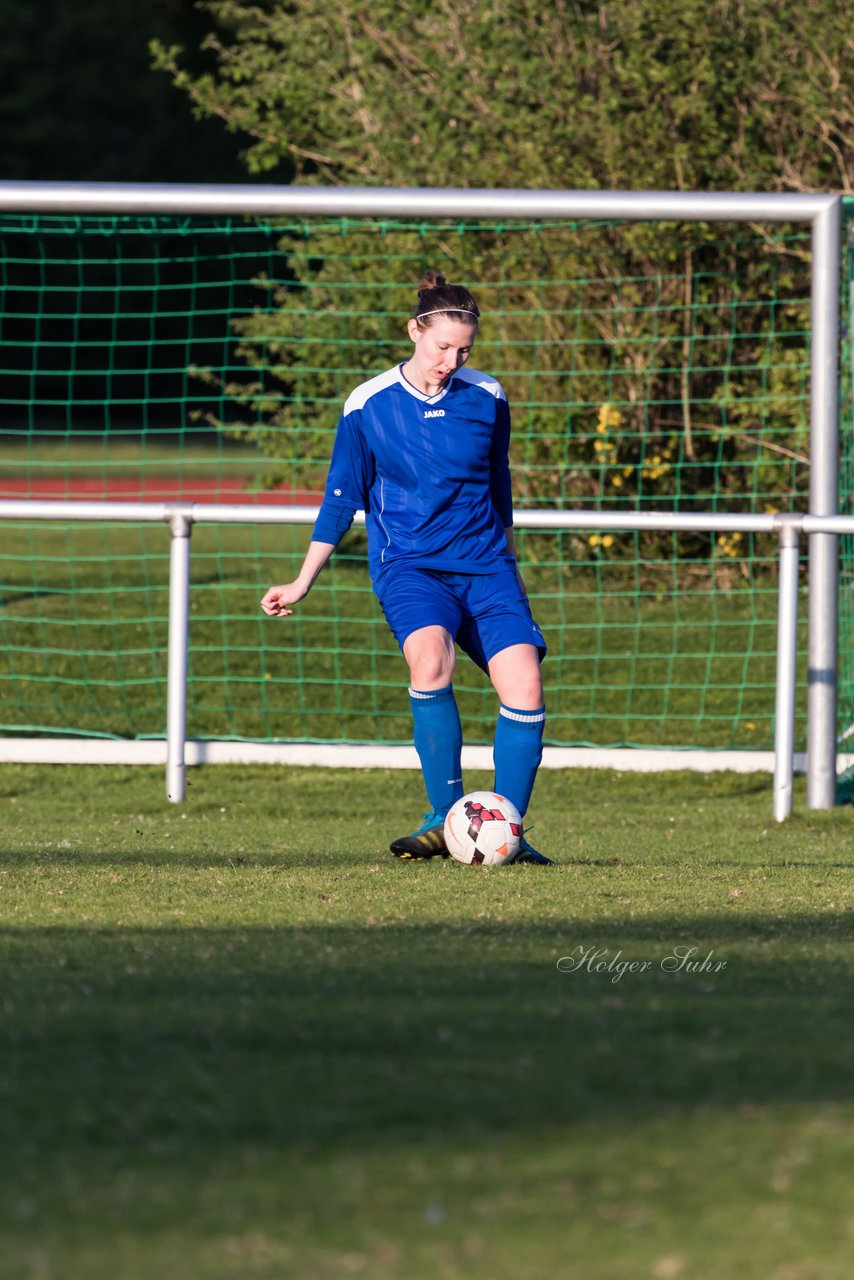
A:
(649, 367)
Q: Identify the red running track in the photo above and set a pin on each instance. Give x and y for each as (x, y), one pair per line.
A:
(152, 488)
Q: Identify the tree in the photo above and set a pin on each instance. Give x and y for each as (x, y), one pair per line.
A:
(695, 94)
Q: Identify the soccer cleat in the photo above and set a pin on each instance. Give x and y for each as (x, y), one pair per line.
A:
(427, 842)
(527, 853)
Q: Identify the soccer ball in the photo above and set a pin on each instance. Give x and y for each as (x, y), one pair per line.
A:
(483, 828)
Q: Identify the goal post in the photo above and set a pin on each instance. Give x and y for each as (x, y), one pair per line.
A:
(821, 214)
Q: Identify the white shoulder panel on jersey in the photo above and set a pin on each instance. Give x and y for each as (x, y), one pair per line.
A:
(483, 380)
(359, 397)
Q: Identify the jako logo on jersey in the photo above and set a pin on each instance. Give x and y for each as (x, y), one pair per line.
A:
(434, 413)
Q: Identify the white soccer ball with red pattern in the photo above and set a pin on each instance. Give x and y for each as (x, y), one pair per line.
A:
(483, 829)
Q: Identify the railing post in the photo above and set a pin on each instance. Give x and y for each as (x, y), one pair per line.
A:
(787, 657)
(180, 528)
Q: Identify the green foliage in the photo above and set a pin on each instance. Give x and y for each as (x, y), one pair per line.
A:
(624, 93)
(628, 94)
(638, 370)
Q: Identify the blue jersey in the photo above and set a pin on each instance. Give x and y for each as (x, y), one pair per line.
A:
(430, 472)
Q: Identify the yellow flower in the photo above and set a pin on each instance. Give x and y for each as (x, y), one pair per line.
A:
(729, 544)
(609, 417)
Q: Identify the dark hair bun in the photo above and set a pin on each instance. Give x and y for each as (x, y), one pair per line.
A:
(436, 296)
(430, 280)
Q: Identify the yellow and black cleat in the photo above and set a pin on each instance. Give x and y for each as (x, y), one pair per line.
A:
(427, 842)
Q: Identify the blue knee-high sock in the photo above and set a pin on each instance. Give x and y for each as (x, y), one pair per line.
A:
(438, 740)
(518, 752)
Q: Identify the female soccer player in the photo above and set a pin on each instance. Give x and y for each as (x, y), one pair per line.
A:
(422, 449)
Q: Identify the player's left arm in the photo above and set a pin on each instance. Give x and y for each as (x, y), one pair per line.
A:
(500, 480)
(499, 463)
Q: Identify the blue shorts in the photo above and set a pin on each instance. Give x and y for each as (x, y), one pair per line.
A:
(484, 612)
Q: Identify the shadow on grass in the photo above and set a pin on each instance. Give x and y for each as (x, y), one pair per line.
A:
(358, 1038)
(154, 852)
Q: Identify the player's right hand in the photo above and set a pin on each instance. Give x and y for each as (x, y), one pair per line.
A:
(276, 603)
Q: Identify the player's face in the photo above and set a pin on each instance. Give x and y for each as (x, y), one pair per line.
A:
(441, 348)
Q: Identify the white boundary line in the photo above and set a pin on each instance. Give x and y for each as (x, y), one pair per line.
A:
(344, 756)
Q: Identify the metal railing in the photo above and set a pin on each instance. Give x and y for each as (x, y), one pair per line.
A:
(181, 517)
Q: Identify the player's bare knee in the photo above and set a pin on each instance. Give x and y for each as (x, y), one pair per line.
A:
(431, 670)
(523, 690)
(430, 656)
(528, 697)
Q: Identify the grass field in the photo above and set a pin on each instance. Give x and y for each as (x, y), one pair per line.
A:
(66, 453)
(240, 1040)
(640, 652)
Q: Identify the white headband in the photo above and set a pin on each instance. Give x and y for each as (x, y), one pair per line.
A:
(443, 311)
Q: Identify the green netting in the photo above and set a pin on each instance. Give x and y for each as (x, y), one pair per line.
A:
(648, 367)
